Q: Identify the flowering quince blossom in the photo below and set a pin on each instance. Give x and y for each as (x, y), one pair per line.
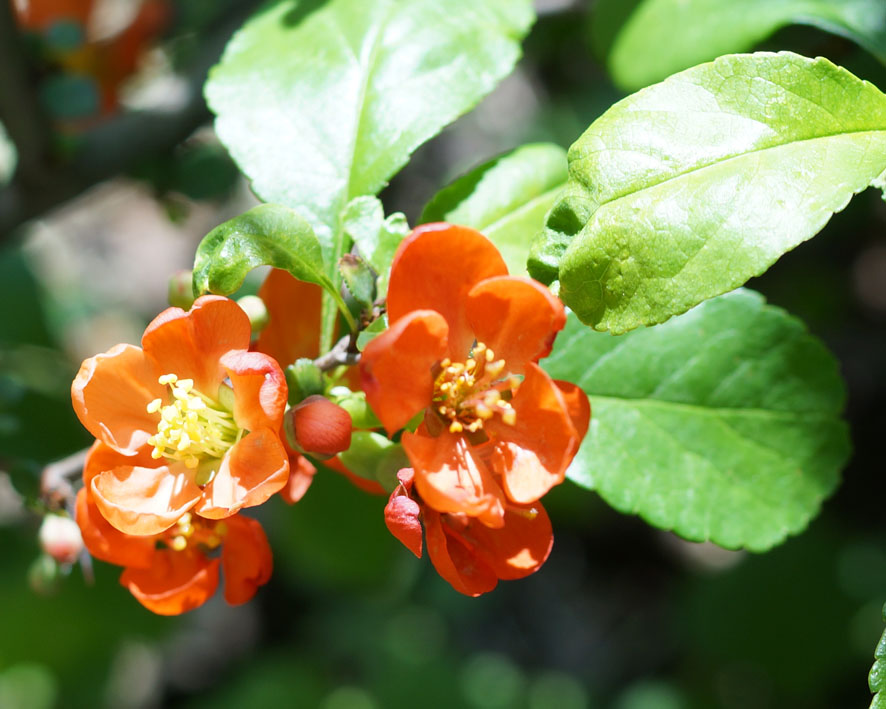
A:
(462, 347)
(496, 431)
(194, 416)
(176, 570)
(469, 555)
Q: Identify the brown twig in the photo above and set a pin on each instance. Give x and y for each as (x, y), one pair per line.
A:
(55, 481)
(342, 353)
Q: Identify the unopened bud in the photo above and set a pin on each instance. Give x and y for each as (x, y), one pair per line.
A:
(318, 427)
(256, 311)
(359, 279)
(181, 290)
(60, 538)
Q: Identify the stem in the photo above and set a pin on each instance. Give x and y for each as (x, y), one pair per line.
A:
(341, 354)
(55, 484)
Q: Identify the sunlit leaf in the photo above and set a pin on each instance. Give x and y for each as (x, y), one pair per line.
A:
(722, 424)
(323, 102)
(269, 235)
(877, 677)
(662, 37)
(506, 199)
(686, 189)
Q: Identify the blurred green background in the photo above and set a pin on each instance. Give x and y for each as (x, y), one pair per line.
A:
(622, 616)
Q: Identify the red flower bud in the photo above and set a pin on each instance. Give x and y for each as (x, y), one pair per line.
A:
(319, 427)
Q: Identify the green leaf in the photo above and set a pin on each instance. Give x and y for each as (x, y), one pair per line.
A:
(722, 424)
(376, 237)
(269, 235)
(323, 102)
(662, 37)
(877, 677)
(506, 199)
(686, 189)
(376, 328)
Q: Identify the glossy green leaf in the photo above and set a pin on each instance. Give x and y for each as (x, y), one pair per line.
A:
(506, 199)
(269, 235)
(662, 37)
(322, 102)
(375, 236)
(722, 424)
(877, 677)
(686, 189)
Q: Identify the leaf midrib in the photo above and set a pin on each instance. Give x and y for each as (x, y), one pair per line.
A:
(718, 163)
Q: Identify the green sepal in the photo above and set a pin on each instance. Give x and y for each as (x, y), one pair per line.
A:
(374, 457)
(304, 379)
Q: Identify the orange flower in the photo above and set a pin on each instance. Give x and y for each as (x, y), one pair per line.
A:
(462, 347)
(176, 570)
(199, 411)
(469, 555)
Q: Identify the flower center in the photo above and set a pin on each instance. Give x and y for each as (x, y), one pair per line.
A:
(193, 426)
(195, 531)
(469, 393)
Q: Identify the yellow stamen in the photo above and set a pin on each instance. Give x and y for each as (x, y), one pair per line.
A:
(472, 392)
(193, 427)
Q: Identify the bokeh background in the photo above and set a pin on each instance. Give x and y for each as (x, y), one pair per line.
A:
(117, 178)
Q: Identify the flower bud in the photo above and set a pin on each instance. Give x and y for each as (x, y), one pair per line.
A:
(359, 279)
(318, 427)
(60, 538)
(181, 290)
(256, 311)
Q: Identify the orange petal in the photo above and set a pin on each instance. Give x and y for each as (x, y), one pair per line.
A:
(401, 514)
(294, 311)
(517, 318)
(252, 470)
(110, 393)
(517, 549)
(301, 475)
(176, 582)
(102, 457)
(107, 543)
(259, 389)
(246, 559)
(578, 405)
(532, 455)
(395, 367)
(191, 344)
(451, 477)
(140, 500)
(434, 268)
(454, 560)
